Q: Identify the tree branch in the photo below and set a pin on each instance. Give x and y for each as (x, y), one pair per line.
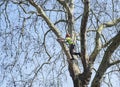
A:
(44, 16)
(65, 5)
(106, 60)
(45, 45)
(51, 26)
(107, 43)
(112, 23)
(69, 6)
(98, 41)
(113, 63)
(83, 32)
(65, 21)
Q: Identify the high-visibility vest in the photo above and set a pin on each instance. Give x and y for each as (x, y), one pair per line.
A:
(69, 40)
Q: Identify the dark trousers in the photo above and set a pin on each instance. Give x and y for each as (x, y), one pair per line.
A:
(72, 51)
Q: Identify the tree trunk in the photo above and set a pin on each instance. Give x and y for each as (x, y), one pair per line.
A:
(74, 73)
(79, 79)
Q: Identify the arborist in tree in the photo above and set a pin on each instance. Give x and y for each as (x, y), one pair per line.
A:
(69, 40)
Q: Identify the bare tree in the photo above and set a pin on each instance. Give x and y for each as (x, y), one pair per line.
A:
(31, 56)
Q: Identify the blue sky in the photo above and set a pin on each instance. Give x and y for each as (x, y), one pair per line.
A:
(27, 51)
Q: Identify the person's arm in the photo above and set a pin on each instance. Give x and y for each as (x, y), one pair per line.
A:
(61, 39)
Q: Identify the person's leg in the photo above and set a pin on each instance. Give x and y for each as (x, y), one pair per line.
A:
(71, 51)
(77, 54)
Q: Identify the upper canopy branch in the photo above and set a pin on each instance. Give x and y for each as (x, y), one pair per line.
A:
(98, 45)
(64, 4)
(112, 23)
(69, 6)
(44, 16)
(83, 32)
(115, 62)
(106, 60)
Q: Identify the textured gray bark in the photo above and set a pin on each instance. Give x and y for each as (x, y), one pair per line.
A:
(106, 60)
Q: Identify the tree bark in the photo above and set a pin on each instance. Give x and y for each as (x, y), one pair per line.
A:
(106, 60)
(79, 79)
